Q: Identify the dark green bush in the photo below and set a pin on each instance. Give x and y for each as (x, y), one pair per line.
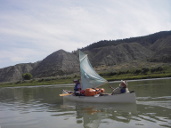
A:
(27, 76)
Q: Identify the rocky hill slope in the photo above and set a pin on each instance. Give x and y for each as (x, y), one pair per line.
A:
(155, 48)
(151, 48)
(14, 73)
(57, 63)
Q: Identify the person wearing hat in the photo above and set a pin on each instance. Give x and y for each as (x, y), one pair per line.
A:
(121, 89)
(77, 87)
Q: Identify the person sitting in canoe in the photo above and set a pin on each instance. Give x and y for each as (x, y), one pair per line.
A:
(77, 87)
(121, 89)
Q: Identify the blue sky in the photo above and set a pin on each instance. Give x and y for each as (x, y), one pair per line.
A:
(32, 29)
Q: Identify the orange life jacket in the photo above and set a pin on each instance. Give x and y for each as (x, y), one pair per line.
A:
(93, 91)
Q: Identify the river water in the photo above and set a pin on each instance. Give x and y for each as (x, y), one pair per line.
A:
(42, 107)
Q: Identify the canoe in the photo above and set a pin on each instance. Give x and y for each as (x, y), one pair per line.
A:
(117, 98)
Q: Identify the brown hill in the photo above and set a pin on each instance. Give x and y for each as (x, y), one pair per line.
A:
(57, 63)
(121, 53)
(14, 73)
(162, 50)
(152, 48)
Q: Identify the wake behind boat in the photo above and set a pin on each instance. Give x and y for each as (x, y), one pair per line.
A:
(90, 80)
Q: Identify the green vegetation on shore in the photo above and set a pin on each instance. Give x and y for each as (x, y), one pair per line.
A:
(43, 81)
(143, 73)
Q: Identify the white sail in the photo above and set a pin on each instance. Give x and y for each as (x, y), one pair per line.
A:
(89, 77)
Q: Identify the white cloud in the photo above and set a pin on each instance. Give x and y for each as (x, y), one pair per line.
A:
(41, 27)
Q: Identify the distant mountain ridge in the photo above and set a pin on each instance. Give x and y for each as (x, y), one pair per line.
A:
(152, 48)
(143, 40)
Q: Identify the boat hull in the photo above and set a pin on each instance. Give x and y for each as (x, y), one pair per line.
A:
(118, 98)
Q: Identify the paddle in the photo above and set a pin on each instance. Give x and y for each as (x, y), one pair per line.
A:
(65, 94)
(111, 87)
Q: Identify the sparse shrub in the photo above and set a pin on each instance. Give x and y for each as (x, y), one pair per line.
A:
(145, 70)
(137, 72)
(158, 69)
(27, 76)
(112, 73)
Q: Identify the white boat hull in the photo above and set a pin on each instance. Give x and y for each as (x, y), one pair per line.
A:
(118, 98)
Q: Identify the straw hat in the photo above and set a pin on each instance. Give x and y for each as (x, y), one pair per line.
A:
(123, 84)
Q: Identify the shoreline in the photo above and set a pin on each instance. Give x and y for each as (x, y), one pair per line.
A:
(67, 82)
(142, 79)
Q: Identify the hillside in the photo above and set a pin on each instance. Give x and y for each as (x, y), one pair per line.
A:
(152, 48)
(14, 73)
(155, 48)
(57, 63)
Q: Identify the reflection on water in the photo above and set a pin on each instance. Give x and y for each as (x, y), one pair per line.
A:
(41, 107)
(92, 115)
